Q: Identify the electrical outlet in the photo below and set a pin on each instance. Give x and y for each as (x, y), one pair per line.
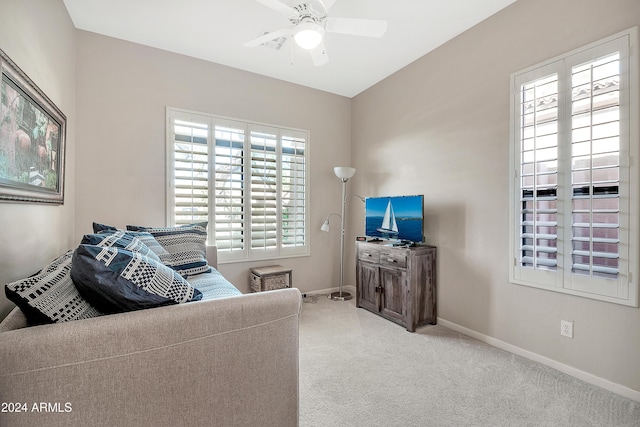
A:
(566, 328)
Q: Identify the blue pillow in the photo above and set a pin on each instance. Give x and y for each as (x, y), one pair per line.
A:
(115, 280)
(121, 239)
(185, 244)
(50, 295)
(97, 227)
(146, 238)
(150, 241)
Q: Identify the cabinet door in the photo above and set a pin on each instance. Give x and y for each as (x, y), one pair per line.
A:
(394, 293)
(367, 282)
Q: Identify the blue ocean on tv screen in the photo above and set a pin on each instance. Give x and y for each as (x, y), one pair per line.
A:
(408, 211)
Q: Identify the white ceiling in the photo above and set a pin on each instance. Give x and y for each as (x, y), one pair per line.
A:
(215, 30)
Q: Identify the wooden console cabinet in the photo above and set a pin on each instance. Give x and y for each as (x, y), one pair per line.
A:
(396, 282)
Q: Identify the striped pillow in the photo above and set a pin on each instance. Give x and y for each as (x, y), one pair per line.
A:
(50, 295)
(186, 246)
(116, 280)
(146, 238)
(121, 239)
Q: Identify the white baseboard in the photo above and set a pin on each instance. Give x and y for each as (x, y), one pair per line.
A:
(569, 370)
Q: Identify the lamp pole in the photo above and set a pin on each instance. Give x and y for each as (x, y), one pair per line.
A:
(344, 174)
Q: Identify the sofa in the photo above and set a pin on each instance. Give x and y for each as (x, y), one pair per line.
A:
(226, 361)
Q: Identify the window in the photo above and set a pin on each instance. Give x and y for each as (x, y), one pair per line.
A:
(248, 180)
(574, 194)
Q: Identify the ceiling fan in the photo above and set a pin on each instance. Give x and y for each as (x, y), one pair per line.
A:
(309, 23)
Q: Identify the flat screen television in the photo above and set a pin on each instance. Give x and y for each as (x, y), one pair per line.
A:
(398, 218)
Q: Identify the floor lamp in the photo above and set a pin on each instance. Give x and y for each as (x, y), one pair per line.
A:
(344, 173)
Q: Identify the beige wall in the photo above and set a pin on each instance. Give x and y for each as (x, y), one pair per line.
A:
(40, 38)
(439, 127)
(123, 91)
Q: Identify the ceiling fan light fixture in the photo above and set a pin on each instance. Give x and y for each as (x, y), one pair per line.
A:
(308, 35)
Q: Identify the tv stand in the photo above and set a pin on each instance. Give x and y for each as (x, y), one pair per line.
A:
(397, 282)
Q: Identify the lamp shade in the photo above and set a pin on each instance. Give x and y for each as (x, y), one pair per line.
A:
(344, 172)
(308, 35)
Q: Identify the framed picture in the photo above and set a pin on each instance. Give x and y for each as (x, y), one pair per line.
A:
(32, 140)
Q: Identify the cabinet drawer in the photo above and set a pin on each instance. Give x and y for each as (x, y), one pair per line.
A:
(393, 259)
(371, 255)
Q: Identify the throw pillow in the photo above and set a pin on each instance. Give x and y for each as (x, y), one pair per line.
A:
(121, 239)
(185, 244)
(50, 295)
(116, 280)
(146, 238)
(150, 241)
(97, 227)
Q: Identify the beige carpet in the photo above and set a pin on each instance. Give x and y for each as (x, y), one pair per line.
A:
(358, 369)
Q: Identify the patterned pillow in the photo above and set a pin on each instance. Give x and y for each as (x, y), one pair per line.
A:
(121, 239)
(50, 295)
(146, 238)
(116, 280)
(97, 227)
(150, 241)
(185, 244)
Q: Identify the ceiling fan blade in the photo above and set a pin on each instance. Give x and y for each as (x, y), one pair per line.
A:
(319, 55)
(280, 7)
(356, 26)
(283, 32)
(328, 3)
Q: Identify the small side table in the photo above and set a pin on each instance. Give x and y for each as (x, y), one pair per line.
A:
(270, 277)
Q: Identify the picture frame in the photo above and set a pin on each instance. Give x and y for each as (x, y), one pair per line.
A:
(32, 140)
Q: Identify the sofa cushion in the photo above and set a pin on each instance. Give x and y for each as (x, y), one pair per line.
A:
(213, 285)
(116, 280)
(121, 239)
(186, 246)
(50, 295)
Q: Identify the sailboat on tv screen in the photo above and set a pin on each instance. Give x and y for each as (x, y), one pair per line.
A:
(389, 225)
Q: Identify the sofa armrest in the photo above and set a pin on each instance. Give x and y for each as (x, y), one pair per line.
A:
(14, 320)
(229, 361)
(212, 256)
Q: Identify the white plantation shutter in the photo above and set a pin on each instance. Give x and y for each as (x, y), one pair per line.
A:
(229, 190)
(293, 186)
(249, 181)
(539, 173)
(278, 190)
(190, 151)
(595, 167)
(264, 190)
(571, 198)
